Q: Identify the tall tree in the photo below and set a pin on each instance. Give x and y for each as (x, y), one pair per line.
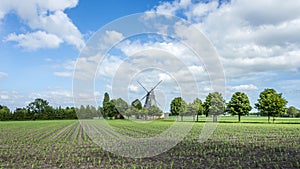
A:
(271, 103)
(37, 108)
(292, 111)
(106, 98)
(5, 113)
(121, 106)
(19, 114)
(214, 105)
(196, 108)
(178, 107)
(239, 105)
(106, 101)
(110, 109)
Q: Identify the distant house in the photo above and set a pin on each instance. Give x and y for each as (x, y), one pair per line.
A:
(119, 116)
(165, 116)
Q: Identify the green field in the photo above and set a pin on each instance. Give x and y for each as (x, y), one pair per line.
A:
(245, 119)
(64, 144)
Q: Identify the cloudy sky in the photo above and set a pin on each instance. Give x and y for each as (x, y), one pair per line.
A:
(257, 42)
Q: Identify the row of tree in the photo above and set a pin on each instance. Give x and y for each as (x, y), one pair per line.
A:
(39, 109)
(270, 103)
(119, 108)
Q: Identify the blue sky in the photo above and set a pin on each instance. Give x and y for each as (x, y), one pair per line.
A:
(258, 45)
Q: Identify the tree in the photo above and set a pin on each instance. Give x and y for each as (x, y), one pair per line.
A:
(71, 113)
(99, 111)
(196, 108)
(214, 105)
(110, 109)
(106, 98)
(239, 105)
(137, 104)
(178, 107)
(121, 106)
(271, 103)
(106, 101)
(143, 113)
(81, 112)
(37, 108)
(19, 114)
(93, 112)
(154, 111)
(130, 111)
(5, 113)
(292, 111)
(190, 110)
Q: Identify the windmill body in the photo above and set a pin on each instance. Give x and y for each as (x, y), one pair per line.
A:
(150, 100)
(150, 96)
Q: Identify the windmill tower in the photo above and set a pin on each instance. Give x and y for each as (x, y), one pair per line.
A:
(150, 96)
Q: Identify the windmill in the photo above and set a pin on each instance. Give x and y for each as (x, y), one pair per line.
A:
(150, 97)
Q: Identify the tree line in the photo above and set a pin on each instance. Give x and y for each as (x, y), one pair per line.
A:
(270, 103)
(40, 109)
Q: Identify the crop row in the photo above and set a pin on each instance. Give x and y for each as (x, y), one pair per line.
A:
(66, 144)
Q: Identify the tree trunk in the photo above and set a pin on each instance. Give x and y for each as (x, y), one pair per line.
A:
(181, 118)
(273, 119)
(197, 118)
(193, 117)
(239, 118)
(268, 119)
(215, 118)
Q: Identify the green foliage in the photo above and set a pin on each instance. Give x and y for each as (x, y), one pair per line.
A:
(19, 114)
(271, 103)
(195, 108)
(178, 106)
(106, 98)
(154, 111)
(37, 109)
(131, 111)
(293, 112)
(214, 104)
(87, 112)
(5, 113)
(197, 105)
(110, 109)
(106, 105)
(239, 105)
(121, 106)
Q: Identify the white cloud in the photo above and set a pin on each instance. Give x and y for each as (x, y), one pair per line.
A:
(251, 36)
(4, 97)
(197, 70)
(58, 97)
(46, 16)
(2, 74)
(133, 88)
(35, 40)
(248, 87)
(164, 77)
(63, 74)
